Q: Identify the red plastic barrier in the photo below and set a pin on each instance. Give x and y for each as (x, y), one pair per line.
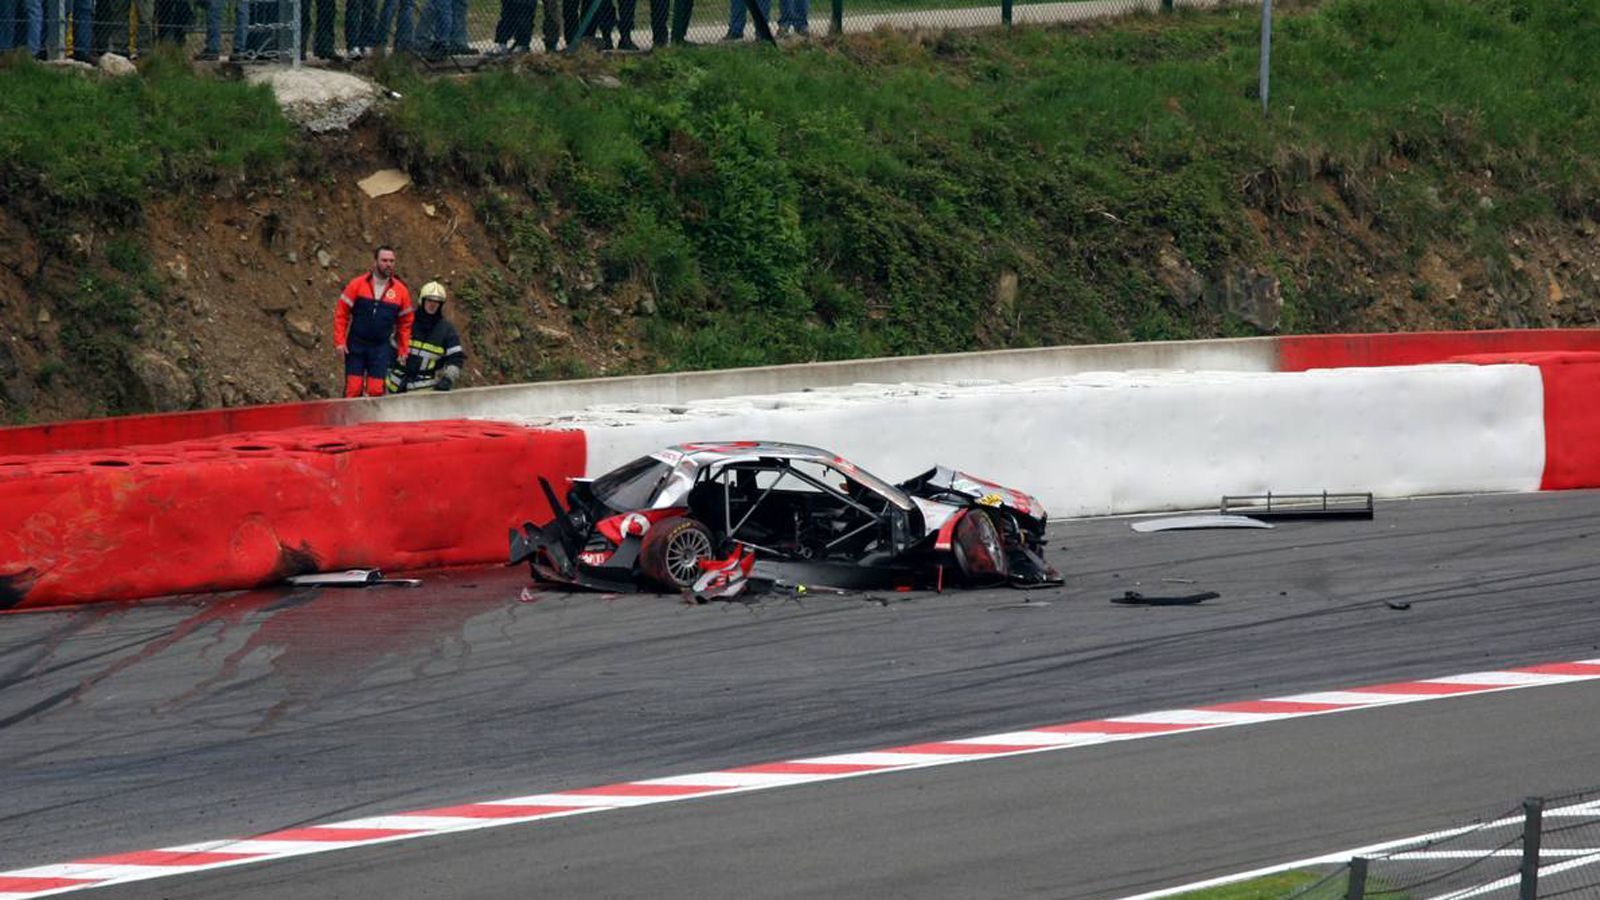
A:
(1297, 353)
(250, 509)
(1571, 414)
(161, 428)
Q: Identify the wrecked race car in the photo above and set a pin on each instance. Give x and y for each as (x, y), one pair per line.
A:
(707, 517)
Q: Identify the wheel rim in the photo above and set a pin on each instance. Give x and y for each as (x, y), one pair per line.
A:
(684, 553)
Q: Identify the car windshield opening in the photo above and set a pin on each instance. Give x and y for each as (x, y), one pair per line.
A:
(632, 486)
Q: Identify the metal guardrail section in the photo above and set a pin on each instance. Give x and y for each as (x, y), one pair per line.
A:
(1548, 847)
(1298, 506)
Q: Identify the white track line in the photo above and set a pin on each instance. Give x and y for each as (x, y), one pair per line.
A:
(119, 868)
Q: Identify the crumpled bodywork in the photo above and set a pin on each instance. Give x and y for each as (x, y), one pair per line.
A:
(802, 515)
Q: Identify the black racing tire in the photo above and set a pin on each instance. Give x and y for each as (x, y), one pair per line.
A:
(671, 552)
(979, 552)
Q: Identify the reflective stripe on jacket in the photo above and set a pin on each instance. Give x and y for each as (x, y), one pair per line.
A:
(359, 316)
(437, 346)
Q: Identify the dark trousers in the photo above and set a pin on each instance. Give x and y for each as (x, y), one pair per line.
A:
(571, 16)
(516, 23)
(322, 45)
(681, 11)
(360, 23)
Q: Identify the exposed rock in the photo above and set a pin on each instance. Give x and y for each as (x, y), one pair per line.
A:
(43, 318)
(318, 100)
(384, 182)
(168, 387)
(300, 330)
(71, 65)
(1173, 272)
(610, 82)
(291, 257)
(647, 305)
(324, 259)
(1252, 295)
(274, 302)
(178, 268)
(117, 66)
(429, 210)
(1005, 293)
(552, 335)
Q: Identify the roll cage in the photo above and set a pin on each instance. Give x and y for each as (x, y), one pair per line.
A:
(802, 509)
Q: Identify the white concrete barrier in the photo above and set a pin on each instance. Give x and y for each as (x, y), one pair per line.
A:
(553, 398)
(1118, 442)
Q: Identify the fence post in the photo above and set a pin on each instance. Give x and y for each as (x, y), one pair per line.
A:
(1266, 53)
(1005, 12)
(296, 24)
(1532, 835)
(1166, 6)
(1357, 889)
(836, 21)
(581, 36)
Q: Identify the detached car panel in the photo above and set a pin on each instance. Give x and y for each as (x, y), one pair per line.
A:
(803, 514)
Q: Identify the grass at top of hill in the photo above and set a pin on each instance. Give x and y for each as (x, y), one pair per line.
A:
(81, 142)
(899, 193)
(861, 196)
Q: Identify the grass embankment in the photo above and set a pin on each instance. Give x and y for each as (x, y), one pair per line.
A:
(876, 190)
(883, 194)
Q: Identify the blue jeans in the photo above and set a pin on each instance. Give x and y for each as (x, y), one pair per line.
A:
(435, 27)
(241, 24)
(21, 25)
(795, 14)
(398, 12)
(11, 21)
(736, 15)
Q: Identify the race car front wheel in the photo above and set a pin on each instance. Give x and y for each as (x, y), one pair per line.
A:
(672, 550)
(979, 553)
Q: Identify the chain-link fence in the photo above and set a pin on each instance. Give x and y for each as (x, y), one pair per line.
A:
(467, 30)
(1547, 847)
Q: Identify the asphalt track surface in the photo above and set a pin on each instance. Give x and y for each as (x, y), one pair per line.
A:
(127, 728)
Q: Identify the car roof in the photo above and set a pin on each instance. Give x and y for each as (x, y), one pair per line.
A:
(706, 452)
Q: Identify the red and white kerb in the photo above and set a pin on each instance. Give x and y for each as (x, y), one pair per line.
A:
(119, 868)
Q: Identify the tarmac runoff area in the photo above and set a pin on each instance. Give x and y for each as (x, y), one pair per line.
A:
(133, 728)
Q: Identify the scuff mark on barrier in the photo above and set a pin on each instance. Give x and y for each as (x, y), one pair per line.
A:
(14, 588)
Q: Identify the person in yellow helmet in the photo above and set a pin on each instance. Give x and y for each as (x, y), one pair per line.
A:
(435, 358)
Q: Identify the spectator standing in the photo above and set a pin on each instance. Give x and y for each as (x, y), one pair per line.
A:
(399, 15)
(173, 18)
(22, 25)
(241, 27)
(460, 42)
(360, 26)
(682, 12)
(374, 309)
(794, 18)
(619, 13)
(658, 23)
(436, 356)
(322, 45)
(513, 32)
(82, 32)
(435, 28)
(736, 17)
